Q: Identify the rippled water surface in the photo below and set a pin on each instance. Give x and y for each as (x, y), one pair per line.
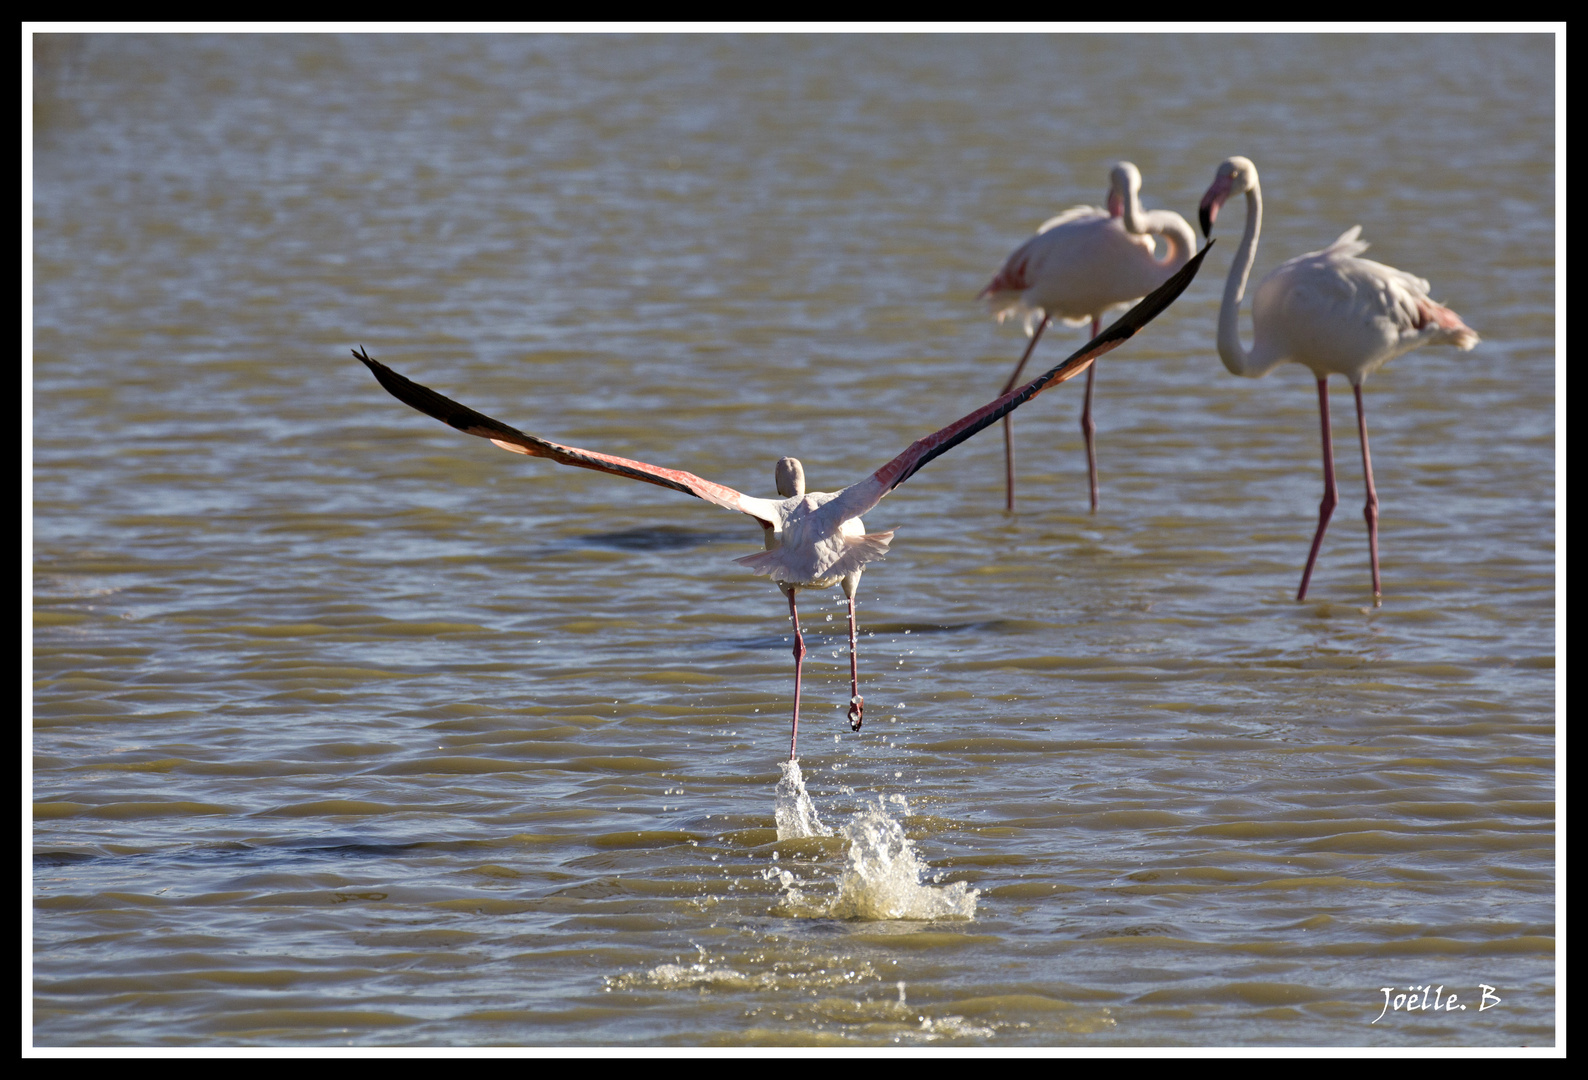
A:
(348, 728)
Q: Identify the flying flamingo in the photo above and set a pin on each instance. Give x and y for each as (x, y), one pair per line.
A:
(1077, 266)
(1331, 311)
(813, 539)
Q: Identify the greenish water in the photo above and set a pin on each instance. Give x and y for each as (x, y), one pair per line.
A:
(350, 729)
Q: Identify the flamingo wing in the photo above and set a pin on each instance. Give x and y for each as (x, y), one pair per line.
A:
(1023, 266)
(858, 499)
(511, 439)
(1351, 314)
(1074, 213)
(1081, 265)
(1410, 312)
(1028, 262)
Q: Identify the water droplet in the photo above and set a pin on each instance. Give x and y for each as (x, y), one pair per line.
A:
(794, 812)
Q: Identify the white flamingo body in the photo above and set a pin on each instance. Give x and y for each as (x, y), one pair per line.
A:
(813, 545)
(813, 540)
(1341, 315)
(1331, 311)
(1081, 264)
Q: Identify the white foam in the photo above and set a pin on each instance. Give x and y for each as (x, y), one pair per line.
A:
(882, 878)
(795, 813)
(885, 880)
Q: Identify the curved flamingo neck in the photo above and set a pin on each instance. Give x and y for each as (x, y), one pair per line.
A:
(1180, 240)
(1129, 211)
(1236, 358)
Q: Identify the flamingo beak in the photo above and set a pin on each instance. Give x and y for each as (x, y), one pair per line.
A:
(1208, 212)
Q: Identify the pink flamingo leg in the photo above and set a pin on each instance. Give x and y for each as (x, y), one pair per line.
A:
(1370, 511)
(857, 704)
(1088, 429)
(1009, 439)
(799, 661)
(1331, 497)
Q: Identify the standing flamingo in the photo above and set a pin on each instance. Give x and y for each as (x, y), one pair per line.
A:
(1078, 265)
(1331, 311)
(813, 540)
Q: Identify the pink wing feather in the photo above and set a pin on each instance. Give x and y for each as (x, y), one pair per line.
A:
(511, 439)
(854, 500)
(857, 499)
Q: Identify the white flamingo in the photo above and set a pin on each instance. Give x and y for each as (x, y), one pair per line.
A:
(813, 540)
(1078, 265)
(1331, 311)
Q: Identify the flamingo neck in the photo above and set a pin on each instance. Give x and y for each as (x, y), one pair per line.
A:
(1236, 358)
(1130, 213)
(1179, 238)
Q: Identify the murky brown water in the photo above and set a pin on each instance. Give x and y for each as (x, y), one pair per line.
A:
(348, 728)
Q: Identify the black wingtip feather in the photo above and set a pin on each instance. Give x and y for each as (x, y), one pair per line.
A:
(1127, 325)
(437, 405)
(1123, 329)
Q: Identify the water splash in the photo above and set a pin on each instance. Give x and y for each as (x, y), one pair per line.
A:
(693, 976)
(882, 878)
(885, 880)
(796, 975)
(795, 813)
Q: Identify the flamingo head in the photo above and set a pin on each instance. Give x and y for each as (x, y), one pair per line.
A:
(1236, 176)
(790, 477)
(1124, 187)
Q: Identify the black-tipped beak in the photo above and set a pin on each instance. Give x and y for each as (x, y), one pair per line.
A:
(1208, 209)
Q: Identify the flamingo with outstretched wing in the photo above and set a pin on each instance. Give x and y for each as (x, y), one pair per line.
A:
(813, 539)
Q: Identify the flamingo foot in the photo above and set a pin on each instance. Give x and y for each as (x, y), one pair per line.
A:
(857, 710)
